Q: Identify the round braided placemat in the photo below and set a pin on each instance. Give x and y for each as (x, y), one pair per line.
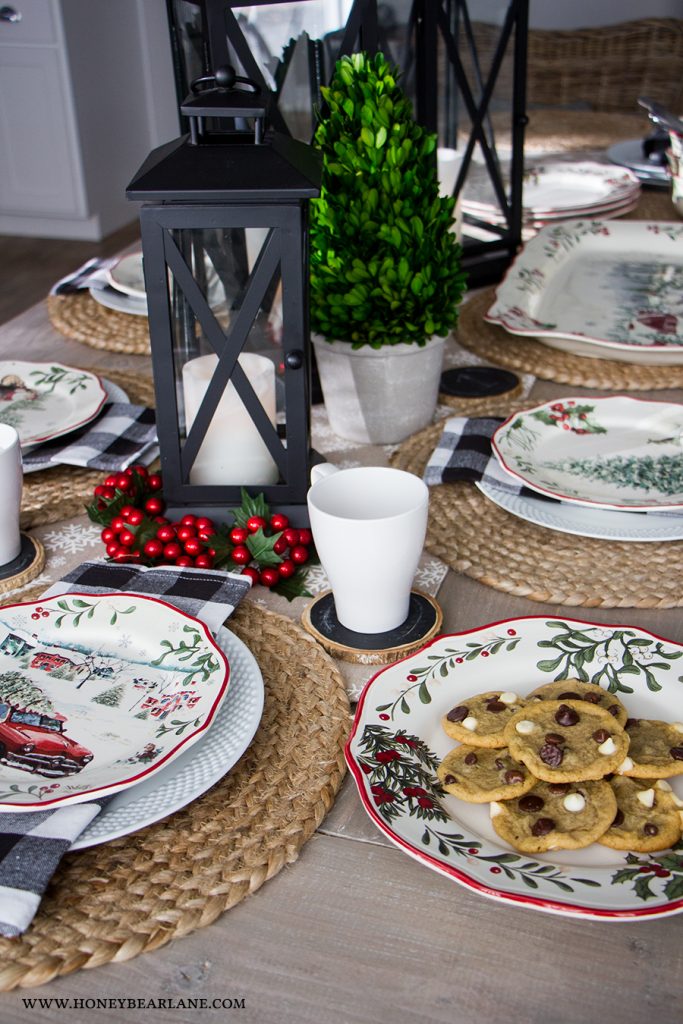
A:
(61, 492)
(80, 318)
(475, 537)
(115, 901)
(496, 345)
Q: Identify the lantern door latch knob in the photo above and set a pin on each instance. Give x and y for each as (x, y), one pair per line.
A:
(294, 360)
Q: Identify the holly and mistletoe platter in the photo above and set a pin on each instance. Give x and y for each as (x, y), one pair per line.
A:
(397, 742)
(98, 692)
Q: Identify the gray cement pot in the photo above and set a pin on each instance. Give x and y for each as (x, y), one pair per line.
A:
(379, 396)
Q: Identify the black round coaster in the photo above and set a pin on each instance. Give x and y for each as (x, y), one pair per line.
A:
(477, 381)
(424, 620)
(26, 557)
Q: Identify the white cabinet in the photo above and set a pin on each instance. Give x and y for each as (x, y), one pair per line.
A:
(81, 105)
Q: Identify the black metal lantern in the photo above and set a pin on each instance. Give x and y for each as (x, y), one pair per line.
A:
(463, 63)
(225, 252)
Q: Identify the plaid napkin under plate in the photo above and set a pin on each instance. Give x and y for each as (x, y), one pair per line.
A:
(32, 844)
(93, 274)
(464, 452)
(121, 436)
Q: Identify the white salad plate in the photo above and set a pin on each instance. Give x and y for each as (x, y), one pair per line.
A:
(99, 692)
(560, 188)
(192, 773)
(581, 521)
(127, 276)
(45, 400)
(397, 742)
(614, 453)
(611, 289)
(630, 154)
(114, 394)
(119, 301)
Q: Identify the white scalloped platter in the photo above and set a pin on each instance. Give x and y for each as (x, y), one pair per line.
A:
(397, 742)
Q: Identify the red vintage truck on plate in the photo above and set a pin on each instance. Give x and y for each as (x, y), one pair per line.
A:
(36, 742)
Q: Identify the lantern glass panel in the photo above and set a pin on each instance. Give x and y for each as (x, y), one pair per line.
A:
(223, 263)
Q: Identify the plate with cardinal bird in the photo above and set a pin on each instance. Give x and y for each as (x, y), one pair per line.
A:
(607, 289)
(98, 692)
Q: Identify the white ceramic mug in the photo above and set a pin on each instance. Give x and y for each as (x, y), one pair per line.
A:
(369, 526)
(11, 480)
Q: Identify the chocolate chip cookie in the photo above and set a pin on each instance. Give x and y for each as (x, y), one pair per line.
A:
(481, 774)
(574, 689)
(566, 740)
(655, 750)
(480, 720)
(647, 818)
(556, 816)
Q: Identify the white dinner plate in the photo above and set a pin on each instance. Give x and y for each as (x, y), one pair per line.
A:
(616, 285)
(558, 188)
(97, 693)
(43, 401)
(114, 394)
(397, 742)
(127, 276)
(615, 452)
(119, 301)
(195, 771)
(604, 524)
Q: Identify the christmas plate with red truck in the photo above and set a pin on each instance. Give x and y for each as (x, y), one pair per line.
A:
(98, 692)
(397, 743)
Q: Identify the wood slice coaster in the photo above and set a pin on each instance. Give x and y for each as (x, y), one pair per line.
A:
(137, 893)
(28, 564)
(496, 345)
(61, 492)
(475, 537)
(424, 621)
(80, 318)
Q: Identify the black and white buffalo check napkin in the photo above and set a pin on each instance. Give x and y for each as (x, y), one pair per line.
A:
(93, 274)
(464, 452)
(122, 436)
(32, 844)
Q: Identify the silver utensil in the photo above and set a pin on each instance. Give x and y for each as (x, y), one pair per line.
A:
(660, 115)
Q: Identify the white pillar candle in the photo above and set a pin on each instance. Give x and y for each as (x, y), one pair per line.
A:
(11, 479)
(233, 451)
(448, 164)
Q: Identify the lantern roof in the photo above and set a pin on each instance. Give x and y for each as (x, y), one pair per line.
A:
(233, 169)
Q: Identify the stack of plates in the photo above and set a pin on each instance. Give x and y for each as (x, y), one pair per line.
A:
(608, 290)
(557, 191)
(605, 460)
(125, 291)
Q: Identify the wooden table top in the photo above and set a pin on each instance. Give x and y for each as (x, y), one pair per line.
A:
(355, 930)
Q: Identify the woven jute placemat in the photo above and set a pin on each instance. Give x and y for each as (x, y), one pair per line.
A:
(475, 537)
(61, 492)
(135, 894)
(496, 345)
(80, 318)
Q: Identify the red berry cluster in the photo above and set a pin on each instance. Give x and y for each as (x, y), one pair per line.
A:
(130, 507)
(187, 542)
(292, 546)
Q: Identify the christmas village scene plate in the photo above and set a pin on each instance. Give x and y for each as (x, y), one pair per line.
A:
(98, 693)
(45, 400)
(615, 453)
(611, 290)
(397, 742)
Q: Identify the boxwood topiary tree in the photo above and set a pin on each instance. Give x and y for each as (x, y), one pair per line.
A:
(385, 268)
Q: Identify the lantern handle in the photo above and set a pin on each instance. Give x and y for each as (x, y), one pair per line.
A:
(224, 78)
